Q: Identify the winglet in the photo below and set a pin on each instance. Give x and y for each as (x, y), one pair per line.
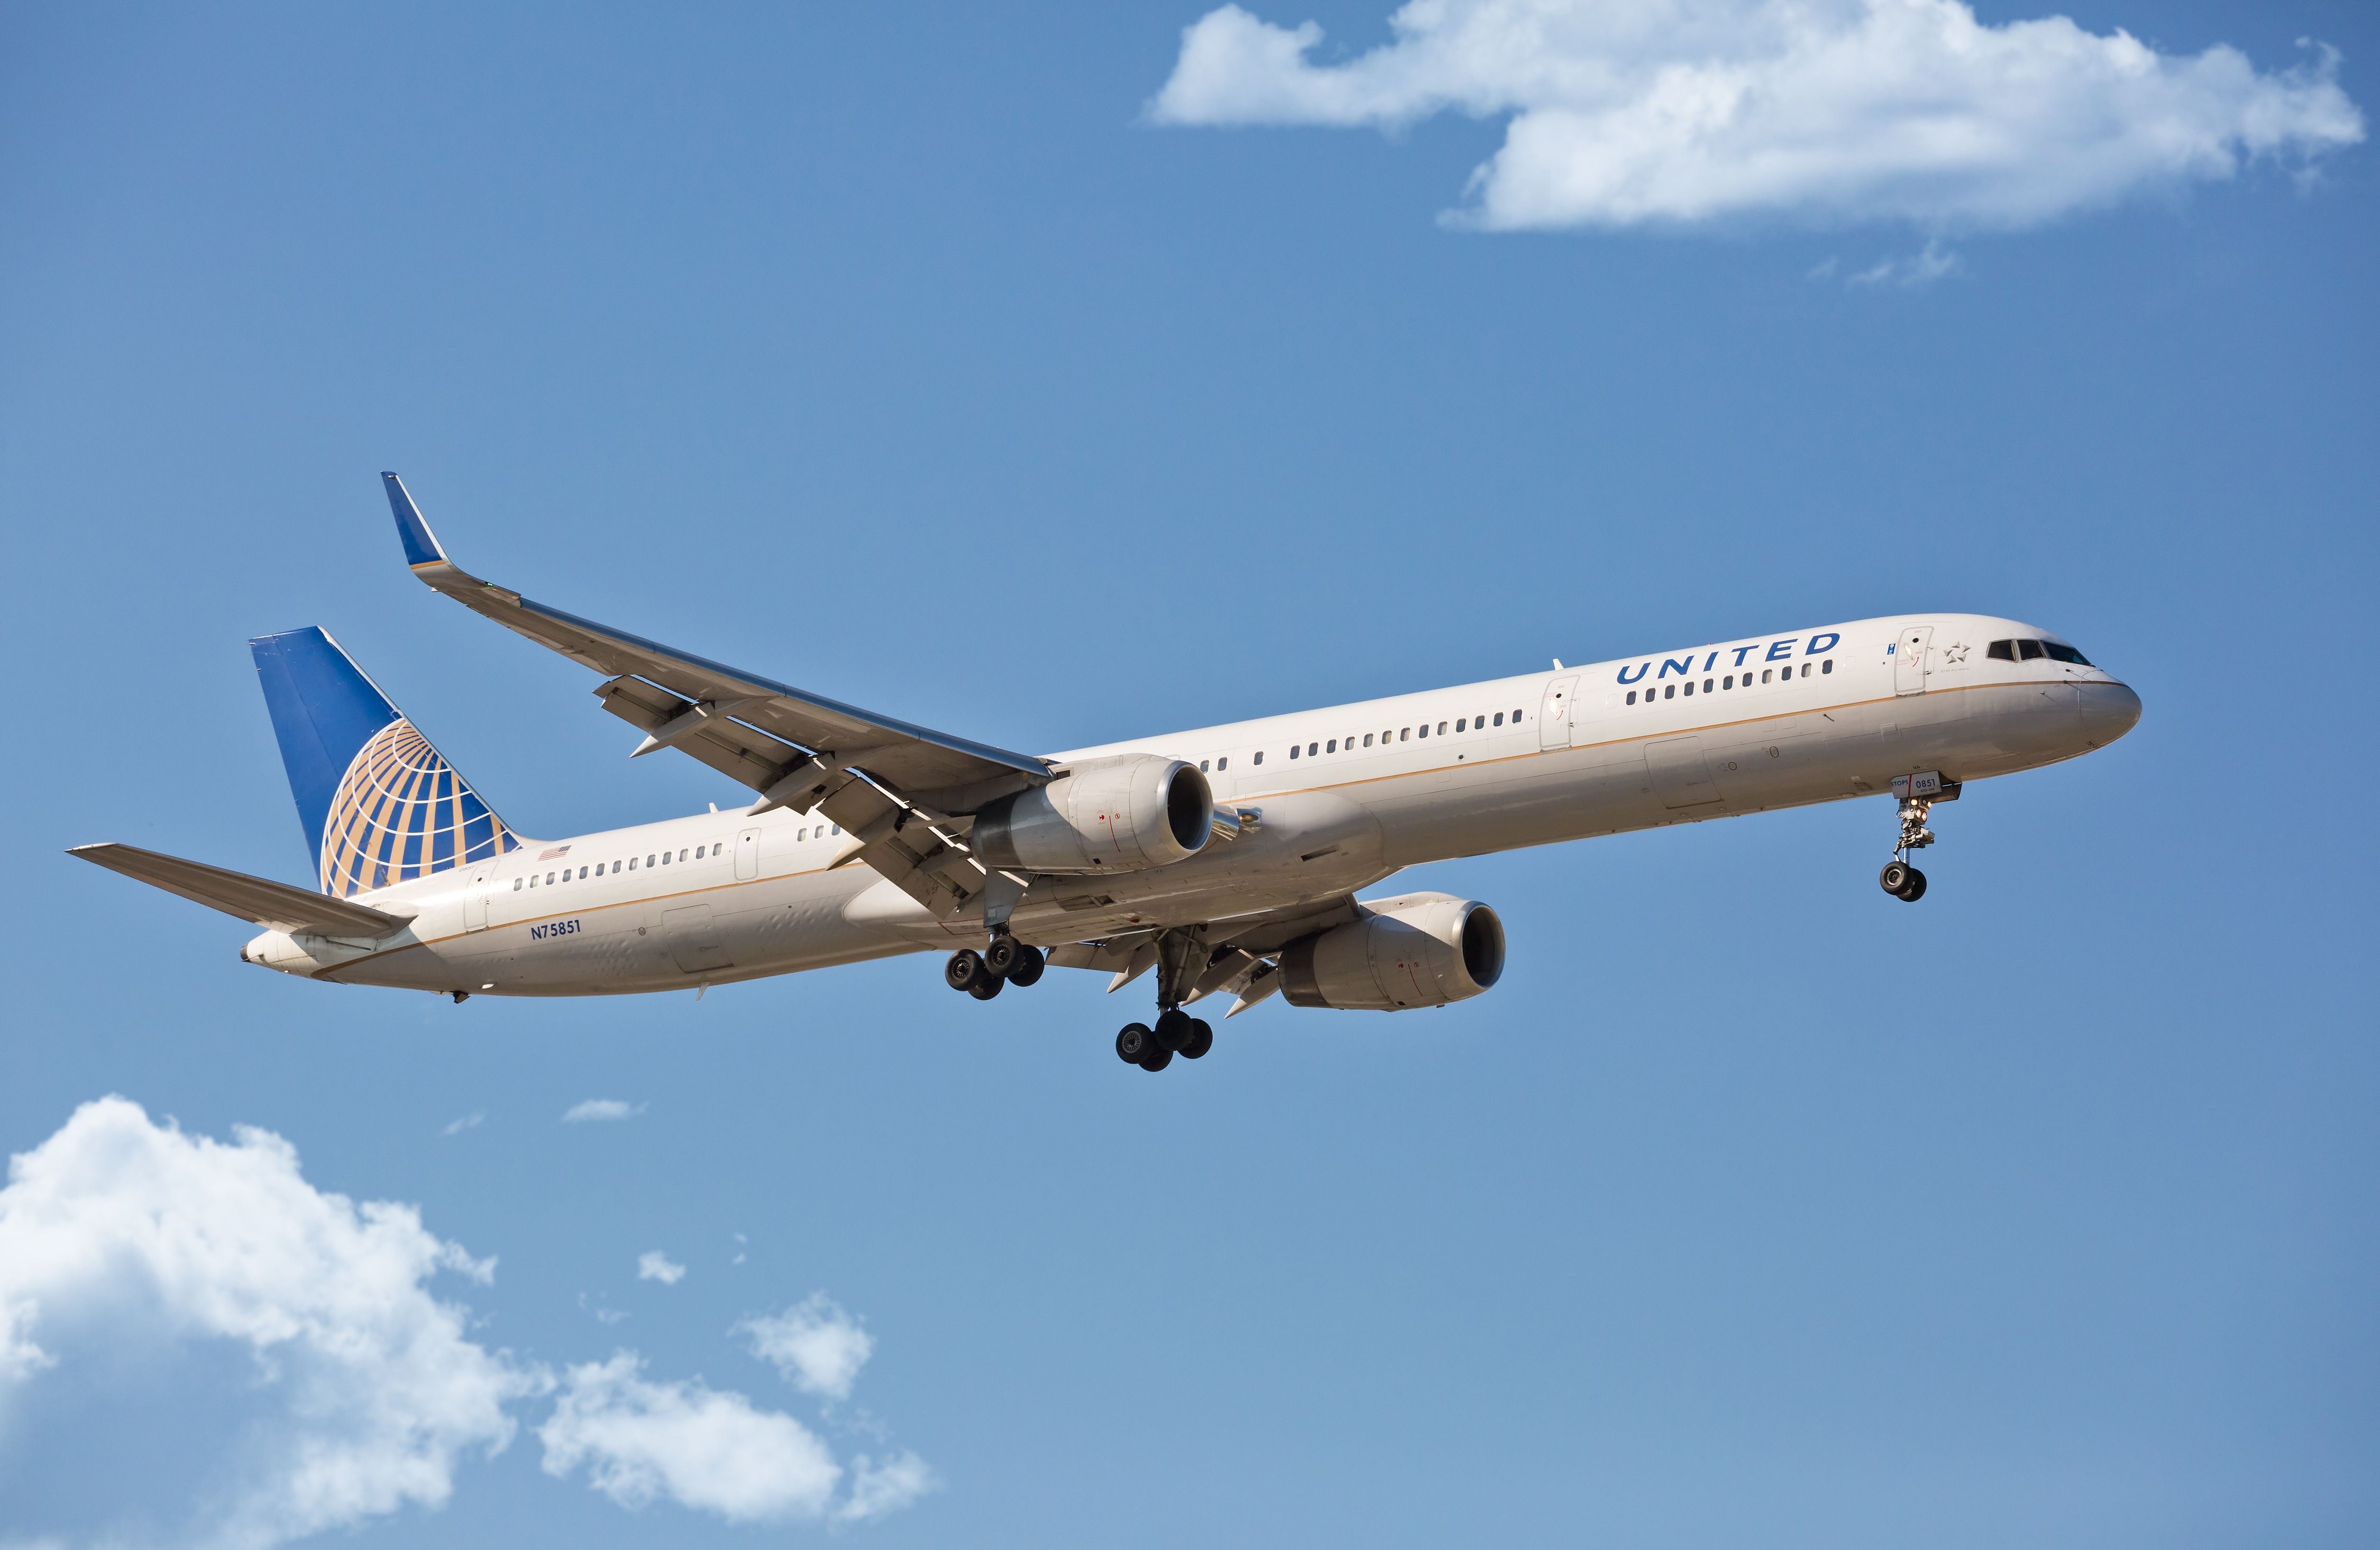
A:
(420, 543)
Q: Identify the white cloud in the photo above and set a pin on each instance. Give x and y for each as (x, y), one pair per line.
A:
(1928, 264)
(470, 1121)
(700, 1446)
(655, 1265)
(1625, 113)
(118, 1233)
(877, 1489)
(600, 1110)
(814, 1345)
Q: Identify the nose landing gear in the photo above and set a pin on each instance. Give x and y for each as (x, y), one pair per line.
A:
(1900, 879)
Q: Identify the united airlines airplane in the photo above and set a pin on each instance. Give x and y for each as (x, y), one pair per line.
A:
(1225, 859)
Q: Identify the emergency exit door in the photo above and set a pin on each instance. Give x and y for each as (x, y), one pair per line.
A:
(1553, 718)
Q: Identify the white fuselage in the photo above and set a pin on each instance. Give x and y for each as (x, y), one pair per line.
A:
(1746, 727)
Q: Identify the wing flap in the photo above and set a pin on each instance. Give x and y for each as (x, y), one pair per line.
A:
(276, 906)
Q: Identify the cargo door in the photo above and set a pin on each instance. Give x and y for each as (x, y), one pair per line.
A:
(1909, 660)
(747, 856)
(1681, 775)
(1553, 719)
(694, 940)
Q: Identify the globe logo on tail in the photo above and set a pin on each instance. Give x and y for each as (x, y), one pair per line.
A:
(401, 812)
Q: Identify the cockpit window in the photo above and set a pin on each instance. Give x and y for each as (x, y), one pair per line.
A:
(2027, 651)
(2065, 654)
(2002, 651)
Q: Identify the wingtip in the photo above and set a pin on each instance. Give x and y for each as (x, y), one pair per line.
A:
(421, 546)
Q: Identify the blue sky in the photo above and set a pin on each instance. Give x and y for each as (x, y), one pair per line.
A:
(904, 355)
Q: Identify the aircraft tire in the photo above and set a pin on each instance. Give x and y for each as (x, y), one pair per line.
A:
(1134, 1043)
(1027, 966)
(1200, 1039)
(1914, 889)
(1895, 876)
(987, 988)
(1173, 1028)
(965, 969)
(1159, 1060)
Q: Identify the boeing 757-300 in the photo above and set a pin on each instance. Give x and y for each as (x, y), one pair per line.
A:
(1225, 859)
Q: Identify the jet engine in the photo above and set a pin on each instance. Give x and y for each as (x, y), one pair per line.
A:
(1123, 813)
(1421, 949)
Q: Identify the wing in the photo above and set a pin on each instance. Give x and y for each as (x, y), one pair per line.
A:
(895, 786)
(276, 906)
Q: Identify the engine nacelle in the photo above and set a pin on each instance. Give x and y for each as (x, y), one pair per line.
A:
(1123, 813)
(1421, 950)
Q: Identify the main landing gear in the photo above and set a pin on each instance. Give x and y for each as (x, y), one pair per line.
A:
(982, 974)
(1180, 959)
(1900, 879)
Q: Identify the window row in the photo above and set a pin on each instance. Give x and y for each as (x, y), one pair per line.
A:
(601, 867)
(1395, 735)
(1670, 691)
(2034, 651)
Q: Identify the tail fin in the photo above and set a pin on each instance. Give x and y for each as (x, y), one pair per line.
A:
(378, 803)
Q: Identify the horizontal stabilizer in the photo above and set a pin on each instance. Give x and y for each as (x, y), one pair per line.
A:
(276, 906)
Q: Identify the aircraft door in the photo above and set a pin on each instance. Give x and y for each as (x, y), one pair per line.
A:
(1553, 720)
(747, 856)
(1909, 660)
(475, 904)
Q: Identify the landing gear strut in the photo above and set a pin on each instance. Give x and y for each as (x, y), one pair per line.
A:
(1900, 879)
(1181, 958)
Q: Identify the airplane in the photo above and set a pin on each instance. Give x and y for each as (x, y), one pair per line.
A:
(1225, 860)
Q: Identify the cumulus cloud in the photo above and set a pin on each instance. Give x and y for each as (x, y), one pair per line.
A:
(699, 1446)
(655, 1265)
(363, 1390)
(598, 1109)
(814, 1345)
(311, 1379)
(1630, 113)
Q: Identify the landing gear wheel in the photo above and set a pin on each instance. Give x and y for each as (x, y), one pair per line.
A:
(1916, 890)
(1173, 1028)
(1159, 1061)
(1002, 954)
(1136, 1043)
(1024, 965)
(1200, 1039)
(965, 969)
(988, 987)
(1895, 876)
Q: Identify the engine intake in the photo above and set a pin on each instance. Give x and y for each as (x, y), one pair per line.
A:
(1124, 814)
(1420, 950)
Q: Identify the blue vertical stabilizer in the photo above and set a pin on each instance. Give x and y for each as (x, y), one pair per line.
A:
(378, 803)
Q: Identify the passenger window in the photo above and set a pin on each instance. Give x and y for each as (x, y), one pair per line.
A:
(517, 884)
(835, 829)
(1690, 688)
(1764, 675)
(1499, 718)
(1223, 764)
(1309, 750)
(1805, 669)
(1333, 746)
(1424, 729)
(1367, 740)
(1457, 722)
(549, 877)
(632, 864)
(2001, 651)
(1202, 767)
(1728, 681)
(1516, 718)
(1706, 686)
(681, 855)
(582, 873)
(1292, 750)
(1404, 734)
(1670, 692)
(1259, 759)
(801, 836)
(1631, 699)
(2026, 651)
(1825, 667)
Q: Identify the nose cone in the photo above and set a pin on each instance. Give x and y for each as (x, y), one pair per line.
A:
(2108, 710)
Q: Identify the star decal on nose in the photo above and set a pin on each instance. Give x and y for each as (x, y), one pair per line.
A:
(1956, 654)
